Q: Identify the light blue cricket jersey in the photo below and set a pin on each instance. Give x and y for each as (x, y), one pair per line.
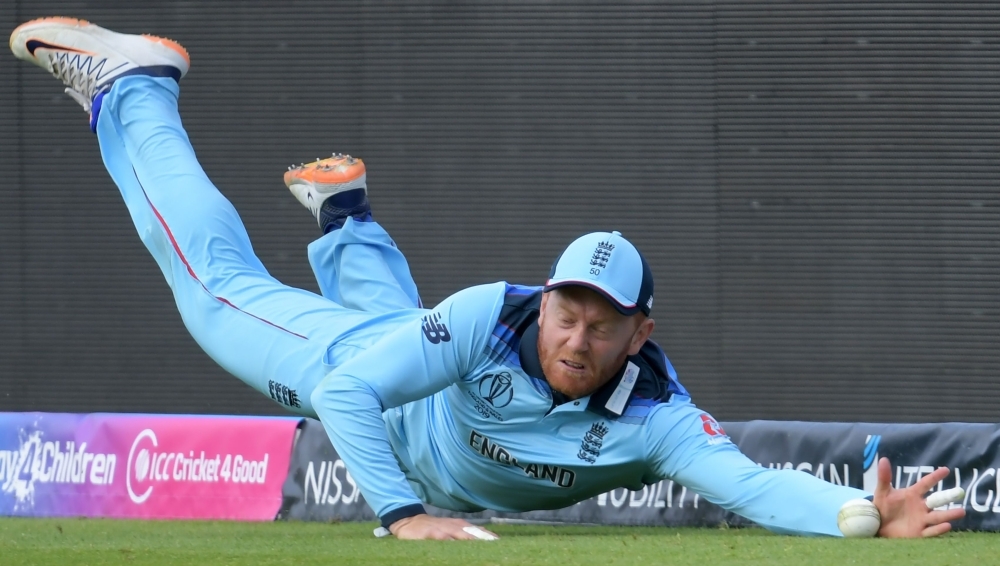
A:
(443, 377)
(474, 425)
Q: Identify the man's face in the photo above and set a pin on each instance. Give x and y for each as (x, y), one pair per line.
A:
(583, 341)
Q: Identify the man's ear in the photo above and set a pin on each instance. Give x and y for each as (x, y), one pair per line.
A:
(640, 336)
(541, 308)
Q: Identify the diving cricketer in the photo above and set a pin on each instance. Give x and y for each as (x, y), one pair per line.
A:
(502, 397)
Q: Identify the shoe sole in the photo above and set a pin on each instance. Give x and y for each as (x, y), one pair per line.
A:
(327, 181)
(75, 22)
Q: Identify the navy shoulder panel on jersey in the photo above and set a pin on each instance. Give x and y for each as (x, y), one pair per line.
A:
(519, 311)
(652, 354)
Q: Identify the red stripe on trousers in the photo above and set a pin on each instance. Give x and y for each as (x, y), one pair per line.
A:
(180, 254)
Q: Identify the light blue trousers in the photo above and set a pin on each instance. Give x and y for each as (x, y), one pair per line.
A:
(278, 339)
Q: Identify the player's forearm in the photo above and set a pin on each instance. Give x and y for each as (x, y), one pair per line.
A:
(352, 416)
(689, 447)
(785, 501)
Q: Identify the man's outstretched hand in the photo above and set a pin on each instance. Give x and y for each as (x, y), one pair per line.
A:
(904, 513)
(421, 527)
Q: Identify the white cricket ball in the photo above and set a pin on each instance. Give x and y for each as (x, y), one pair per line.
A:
(859, 518)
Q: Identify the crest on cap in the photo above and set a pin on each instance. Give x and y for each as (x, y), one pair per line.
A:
(602, 253)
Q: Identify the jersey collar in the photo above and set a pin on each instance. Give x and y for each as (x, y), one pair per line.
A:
(609, 401)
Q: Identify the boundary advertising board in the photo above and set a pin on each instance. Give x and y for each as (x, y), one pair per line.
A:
(319, 488)
(143, 466)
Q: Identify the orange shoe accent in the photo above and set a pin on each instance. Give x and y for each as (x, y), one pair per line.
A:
(332, 170)
(166, 42)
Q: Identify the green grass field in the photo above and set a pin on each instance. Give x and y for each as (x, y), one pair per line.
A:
(65, 542)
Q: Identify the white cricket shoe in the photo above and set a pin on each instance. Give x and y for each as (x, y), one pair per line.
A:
(88, 58)
(313, 183)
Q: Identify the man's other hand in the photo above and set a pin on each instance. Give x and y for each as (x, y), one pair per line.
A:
(426, 527)
(904, 512)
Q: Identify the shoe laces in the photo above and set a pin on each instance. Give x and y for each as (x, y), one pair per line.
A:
(81, 83)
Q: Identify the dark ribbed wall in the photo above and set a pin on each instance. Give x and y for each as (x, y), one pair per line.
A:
(813, 185)
(857, 162)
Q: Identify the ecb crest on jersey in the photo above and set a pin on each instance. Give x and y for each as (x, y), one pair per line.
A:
(593, 440)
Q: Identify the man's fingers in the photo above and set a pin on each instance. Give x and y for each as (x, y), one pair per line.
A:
(937, 517)
(479, 533)
(884, 485)
(470, 532)
(936, 530)
(927, 482)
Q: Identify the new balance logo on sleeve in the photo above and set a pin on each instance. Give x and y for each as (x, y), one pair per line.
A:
(435, 330)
